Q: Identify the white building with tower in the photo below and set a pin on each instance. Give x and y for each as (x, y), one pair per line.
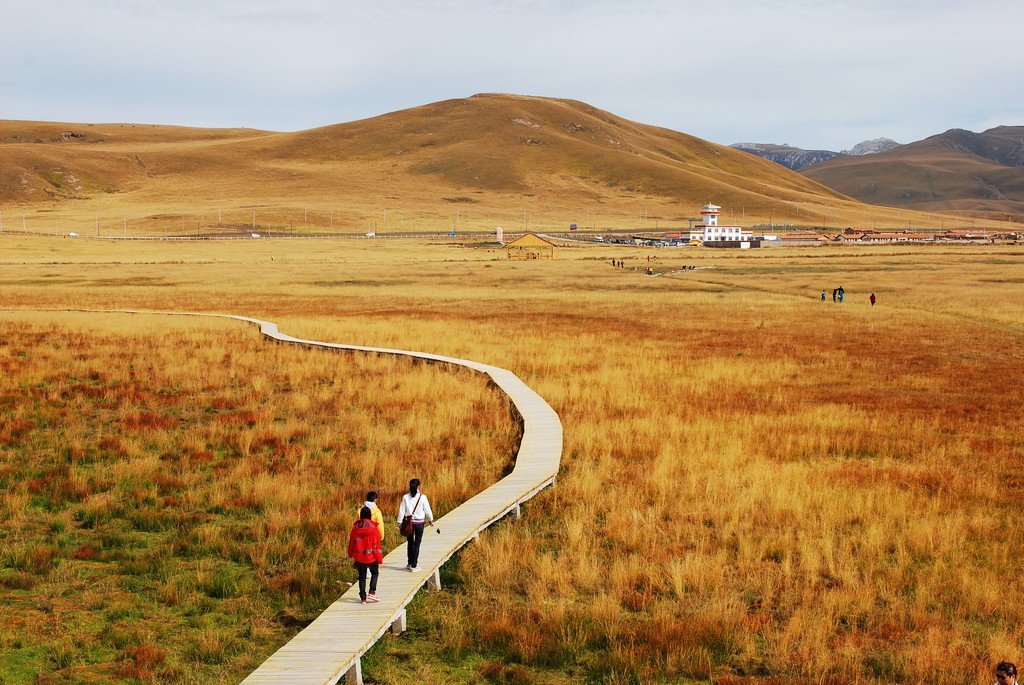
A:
(709, 230)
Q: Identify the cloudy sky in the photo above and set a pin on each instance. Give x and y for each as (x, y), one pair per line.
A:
(817, 74)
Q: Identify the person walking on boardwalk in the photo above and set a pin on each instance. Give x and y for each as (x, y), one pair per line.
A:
(375, 512)
(872, 298)
(364, 548)
(1006, 673)
(416, 506)
(375, 515)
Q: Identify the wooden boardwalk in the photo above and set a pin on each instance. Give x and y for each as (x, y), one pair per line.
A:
(330, 648)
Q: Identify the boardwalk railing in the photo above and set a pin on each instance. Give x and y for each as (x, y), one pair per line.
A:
(330, 648)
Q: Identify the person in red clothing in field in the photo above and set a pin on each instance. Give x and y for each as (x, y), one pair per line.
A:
(364, 548)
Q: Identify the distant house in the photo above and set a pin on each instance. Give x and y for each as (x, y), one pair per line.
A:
(806, 238)
(904, 237)
(530, 246)
(876, 237)
(978, 235)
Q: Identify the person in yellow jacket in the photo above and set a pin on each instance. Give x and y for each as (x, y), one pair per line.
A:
(375, 514)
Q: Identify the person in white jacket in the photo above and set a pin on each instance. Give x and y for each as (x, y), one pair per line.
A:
(416, 505)
(1006, 673)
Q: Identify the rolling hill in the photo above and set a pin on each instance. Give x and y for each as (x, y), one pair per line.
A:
(466, 163)
(956, 171)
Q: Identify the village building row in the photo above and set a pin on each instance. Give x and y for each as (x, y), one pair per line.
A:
(712, 234)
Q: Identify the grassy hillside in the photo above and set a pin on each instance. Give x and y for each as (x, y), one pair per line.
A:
(958, 171)
(468, 164)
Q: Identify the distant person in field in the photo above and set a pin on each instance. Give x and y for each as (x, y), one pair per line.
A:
(842, 294)
(872, 298)
(822, 295)
(835, 294)
(365, 549)
(416, 505)
(1006, 673)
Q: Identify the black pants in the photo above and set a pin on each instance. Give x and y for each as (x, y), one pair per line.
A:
(374, 572)
(413, 547)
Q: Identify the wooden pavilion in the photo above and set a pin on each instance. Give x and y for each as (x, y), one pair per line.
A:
(530, 246)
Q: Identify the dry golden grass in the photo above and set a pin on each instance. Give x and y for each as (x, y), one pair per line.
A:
(195, 484)
(756, 485)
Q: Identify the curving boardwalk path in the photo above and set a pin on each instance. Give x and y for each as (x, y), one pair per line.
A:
(330, 648)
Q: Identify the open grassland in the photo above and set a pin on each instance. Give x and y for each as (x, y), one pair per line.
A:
(756, 486)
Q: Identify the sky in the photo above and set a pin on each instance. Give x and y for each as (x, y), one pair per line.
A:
(815, 74)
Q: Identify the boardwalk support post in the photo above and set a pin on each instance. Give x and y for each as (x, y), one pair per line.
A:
(398, 625)
(434, 581)
(354, 675)
(515, 513)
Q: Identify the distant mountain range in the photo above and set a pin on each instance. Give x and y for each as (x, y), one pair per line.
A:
(955, 171)
(796, 158)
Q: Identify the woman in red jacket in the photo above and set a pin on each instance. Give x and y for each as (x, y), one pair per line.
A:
(364, 548)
